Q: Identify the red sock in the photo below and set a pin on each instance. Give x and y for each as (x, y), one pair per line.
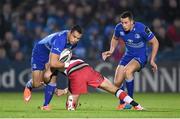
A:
(123, 96)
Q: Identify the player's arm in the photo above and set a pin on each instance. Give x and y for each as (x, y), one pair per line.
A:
(54, 61)
(114, 43)
(155, 45)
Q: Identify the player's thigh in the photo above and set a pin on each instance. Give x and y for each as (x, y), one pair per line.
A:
(108, 86)
(132, 67)
(77, 82)
(37, 76)
(119, 75)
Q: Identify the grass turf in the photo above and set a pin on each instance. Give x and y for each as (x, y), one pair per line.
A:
(99, 105)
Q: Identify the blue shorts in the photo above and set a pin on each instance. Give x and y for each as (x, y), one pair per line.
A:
(40, 56)
(127, 58)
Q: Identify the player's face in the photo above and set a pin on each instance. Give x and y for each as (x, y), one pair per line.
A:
(127, 23)
(74, 37)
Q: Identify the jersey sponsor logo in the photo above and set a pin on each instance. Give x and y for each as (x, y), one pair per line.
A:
(57, 49)
(137, 36)
(134, 45)
(129, 41)
(122, 33)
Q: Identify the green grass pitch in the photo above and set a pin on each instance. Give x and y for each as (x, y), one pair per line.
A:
(99, 105)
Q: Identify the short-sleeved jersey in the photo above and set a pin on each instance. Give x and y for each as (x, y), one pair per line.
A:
(136, 39)
(54, 43)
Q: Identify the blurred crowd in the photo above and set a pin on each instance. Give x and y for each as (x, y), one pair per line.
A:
(25, 22)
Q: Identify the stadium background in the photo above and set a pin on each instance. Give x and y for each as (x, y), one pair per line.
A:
(23, 23)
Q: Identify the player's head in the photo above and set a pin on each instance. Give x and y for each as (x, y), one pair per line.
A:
(127, 20)
(75, 34)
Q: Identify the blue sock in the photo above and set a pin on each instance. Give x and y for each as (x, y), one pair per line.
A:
(122, 87)
(49, 91)
(29, 84)
(130, 87)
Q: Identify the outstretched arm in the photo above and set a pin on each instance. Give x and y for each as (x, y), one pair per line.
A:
(114, 43)
(155, 45)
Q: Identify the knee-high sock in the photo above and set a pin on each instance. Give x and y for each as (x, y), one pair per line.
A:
(29, 84)
(49, 91)
(122, 87)
(130, 87)
(126, 98)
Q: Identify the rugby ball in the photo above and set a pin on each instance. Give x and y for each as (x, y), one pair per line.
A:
(65, 55)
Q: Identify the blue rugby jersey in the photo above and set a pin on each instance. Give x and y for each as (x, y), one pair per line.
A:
(136, 39)
(56, 42)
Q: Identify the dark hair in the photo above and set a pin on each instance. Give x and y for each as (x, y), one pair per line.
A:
(76, 28)
(127, 14)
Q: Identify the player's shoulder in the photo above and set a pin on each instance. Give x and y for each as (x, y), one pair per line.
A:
(62, 33)
(119, 27)
(139, 26)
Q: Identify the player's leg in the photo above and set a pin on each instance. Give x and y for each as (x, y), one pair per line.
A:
(38, 78)
(49, 90)
(118, 81)
(122, 95)
(119, 75)
(40, 56)
(35, 82)
(96, 80)
(130, 69)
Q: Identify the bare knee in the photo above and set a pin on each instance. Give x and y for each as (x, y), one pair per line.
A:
(128, 73)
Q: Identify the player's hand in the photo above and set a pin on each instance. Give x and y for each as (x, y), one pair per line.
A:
(106, 54)
(60, 92)
(154, 66)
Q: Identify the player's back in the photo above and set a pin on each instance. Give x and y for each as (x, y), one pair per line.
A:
(75, 64)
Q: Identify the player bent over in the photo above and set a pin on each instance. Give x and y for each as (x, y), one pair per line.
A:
(81, 75)
(47, 51)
